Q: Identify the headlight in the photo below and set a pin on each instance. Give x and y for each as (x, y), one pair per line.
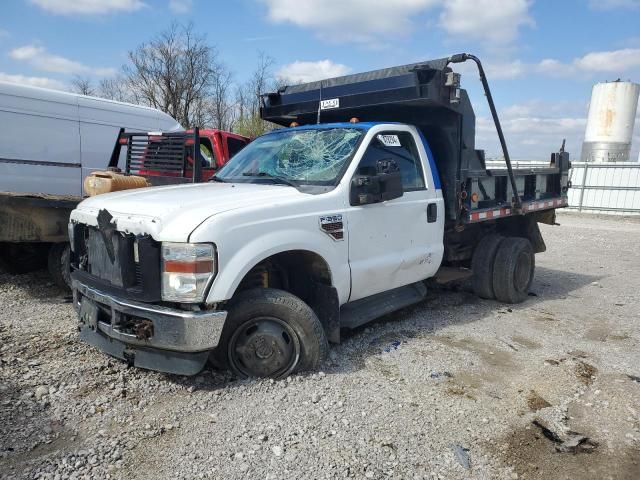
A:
(186, 270)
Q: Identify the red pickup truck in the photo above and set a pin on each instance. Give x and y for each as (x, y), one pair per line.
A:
(167, 157)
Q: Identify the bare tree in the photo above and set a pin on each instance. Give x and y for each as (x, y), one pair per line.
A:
(217, 109)
(223, 111)
(248, 98)
(174, 72)
(115, 88)
(83, 86)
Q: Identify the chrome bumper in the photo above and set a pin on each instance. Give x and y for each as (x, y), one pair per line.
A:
(149, 336)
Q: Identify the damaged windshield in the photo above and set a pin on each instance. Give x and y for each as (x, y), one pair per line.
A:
(294, 157)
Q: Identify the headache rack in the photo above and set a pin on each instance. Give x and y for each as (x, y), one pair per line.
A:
(428, 95)
(162, 157)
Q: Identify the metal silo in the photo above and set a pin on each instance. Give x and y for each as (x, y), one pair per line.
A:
(612, 113)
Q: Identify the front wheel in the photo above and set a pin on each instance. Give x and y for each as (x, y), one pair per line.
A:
(271, 333)
(59, 264)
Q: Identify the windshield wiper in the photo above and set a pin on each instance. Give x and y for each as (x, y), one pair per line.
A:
(276, 179)
(215, 178)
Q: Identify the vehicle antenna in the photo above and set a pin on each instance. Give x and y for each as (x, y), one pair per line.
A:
(319, 104)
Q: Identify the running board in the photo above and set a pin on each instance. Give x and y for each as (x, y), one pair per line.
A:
(362, 311)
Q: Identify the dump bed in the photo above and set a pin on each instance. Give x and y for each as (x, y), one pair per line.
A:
(428, 95)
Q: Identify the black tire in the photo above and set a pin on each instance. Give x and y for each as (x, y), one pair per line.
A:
(270, 333)
(20, 258)
(482, 265)
(513, 270)
(59, 265)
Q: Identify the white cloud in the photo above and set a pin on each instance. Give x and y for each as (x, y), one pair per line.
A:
(613, 4)
(486, 20)
(39, 58)
(349, 20)
(180, 7)
(33, 81)
(538, 108)
(371, 23)
(302, 72)
(615, 63)
(88, 7)
(532, 137)
(612, 61)
(535, 129)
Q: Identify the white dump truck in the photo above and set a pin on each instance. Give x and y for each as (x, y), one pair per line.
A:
(374, 187)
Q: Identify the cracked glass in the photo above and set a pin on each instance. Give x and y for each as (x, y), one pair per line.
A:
(314, 156)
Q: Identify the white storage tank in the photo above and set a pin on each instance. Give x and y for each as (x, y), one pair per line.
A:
(612, 113)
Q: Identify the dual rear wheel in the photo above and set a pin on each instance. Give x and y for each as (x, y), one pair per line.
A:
(503, 268)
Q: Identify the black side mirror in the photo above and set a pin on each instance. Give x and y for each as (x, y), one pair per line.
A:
(385, 184)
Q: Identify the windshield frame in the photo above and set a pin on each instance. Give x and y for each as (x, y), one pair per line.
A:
(314, 186)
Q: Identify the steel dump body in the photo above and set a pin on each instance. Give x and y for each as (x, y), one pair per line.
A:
(428, 95)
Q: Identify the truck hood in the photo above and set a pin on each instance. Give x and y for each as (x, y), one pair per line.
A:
(171, 213)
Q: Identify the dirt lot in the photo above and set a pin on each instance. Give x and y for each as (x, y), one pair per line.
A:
(455, 387)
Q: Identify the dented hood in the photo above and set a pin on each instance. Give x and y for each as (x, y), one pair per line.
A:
(171, 213)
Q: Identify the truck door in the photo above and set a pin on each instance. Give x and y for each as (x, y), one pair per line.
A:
(399, 241)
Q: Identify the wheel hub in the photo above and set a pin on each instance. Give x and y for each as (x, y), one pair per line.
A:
(264, 347)
(522, 273)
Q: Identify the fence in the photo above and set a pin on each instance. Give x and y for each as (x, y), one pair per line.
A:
(611, 188)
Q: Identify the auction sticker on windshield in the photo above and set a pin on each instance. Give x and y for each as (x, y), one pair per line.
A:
(389, 140)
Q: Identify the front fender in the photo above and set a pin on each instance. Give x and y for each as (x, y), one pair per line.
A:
(234, 263)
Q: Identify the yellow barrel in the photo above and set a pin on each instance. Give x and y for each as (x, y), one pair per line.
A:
(105, 182)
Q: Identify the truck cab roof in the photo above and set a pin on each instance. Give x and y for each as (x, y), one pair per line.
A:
(318, 126)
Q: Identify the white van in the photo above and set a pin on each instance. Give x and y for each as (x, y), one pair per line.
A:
(49, 141)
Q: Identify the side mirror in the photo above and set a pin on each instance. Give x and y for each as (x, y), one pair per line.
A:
(385, 184)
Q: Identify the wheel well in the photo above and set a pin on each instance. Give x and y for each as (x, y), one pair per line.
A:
(306, 275)
(460, 245)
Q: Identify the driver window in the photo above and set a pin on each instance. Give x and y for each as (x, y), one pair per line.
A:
(398, 146)
(206, 154)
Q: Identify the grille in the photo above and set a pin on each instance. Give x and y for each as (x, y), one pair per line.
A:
(135, 277)
(100, 263)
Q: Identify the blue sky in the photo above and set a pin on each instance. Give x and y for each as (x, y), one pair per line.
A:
(542, 56)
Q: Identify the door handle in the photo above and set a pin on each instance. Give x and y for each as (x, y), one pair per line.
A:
(432, 212)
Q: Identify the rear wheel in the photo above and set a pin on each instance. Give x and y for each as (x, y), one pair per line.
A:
(513, 270)
(271, 333)
(482, 265)
(59, 265)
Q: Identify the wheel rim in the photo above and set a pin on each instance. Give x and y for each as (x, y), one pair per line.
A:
(264, 347)
(522, 272)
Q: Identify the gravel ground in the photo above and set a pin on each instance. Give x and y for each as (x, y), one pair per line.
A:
(455, 387)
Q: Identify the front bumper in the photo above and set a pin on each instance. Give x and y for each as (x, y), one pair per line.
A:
(147, 335)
